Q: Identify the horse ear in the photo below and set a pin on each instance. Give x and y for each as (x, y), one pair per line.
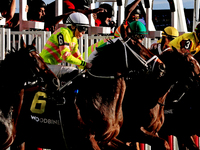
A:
(22, 43)
(34, 41)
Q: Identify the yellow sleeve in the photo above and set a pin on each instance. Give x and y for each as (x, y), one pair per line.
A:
(69, 50)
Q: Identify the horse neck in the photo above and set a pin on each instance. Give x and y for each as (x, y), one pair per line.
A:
(110, 60)
(144, 52)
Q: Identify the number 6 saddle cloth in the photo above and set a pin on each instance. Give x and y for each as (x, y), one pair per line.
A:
(39, 119)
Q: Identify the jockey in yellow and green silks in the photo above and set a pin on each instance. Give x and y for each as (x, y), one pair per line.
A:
(59, 48)
(95, 45)
(63, 45)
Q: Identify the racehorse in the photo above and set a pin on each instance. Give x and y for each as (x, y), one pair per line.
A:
(101, 112)
(92, 117)
(183, 100)
(179, 66)
(18, 68)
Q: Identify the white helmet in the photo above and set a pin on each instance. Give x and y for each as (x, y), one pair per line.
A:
(77, 19)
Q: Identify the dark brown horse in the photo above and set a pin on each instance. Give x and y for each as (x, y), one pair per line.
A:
(18, 68)
(100, 106)
(182, 107)
(183, 100)
(93, 120)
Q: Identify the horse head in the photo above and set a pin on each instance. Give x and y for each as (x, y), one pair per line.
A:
(154, 65)
(42, 72)
(182, 73)
(26, 64)
(181, 66)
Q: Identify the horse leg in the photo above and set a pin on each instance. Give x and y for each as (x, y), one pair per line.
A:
(93, 143)
(115, 144)
(9, 128)
(154, 140)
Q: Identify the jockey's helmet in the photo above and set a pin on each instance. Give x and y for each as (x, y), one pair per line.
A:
(78, 20)
(170, 32)
(137, 27)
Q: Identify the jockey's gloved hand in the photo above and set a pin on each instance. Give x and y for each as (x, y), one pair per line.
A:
(88, 65)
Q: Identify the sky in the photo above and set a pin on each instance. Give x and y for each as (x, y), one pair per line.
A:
(157, 4)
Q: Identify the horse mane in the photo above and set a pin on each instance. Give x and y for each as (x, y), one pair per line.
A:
(109, 59)
(7, 65)
(14, 67)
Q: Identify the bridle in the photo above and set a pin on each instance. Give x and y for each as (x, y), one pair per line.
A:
(141, 60)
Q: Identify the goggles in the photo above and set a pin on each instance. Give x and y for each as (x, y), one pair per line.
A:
(170, 37)
(136, 17)
(82, 28)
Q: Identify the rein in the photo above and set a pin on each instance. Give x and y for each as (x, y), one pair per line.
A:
(142, 61)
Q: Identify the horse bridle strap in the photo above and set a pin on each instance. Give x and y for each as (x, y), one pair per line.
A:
(144, 62)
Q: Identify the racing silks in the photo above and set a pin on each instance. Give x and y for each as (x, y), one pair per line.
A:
(62, 45)
(95, 45)
(188, 41)
(119, 31)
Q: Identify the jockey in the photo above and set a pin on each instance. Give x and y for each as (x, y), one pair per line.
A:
(189, 41)
(63, 46)
(135, 29)
(169, 33)
(124, 30)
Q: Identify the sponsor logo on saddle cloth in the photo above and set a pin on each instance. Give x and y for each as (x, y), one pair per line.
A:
(45, 120)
